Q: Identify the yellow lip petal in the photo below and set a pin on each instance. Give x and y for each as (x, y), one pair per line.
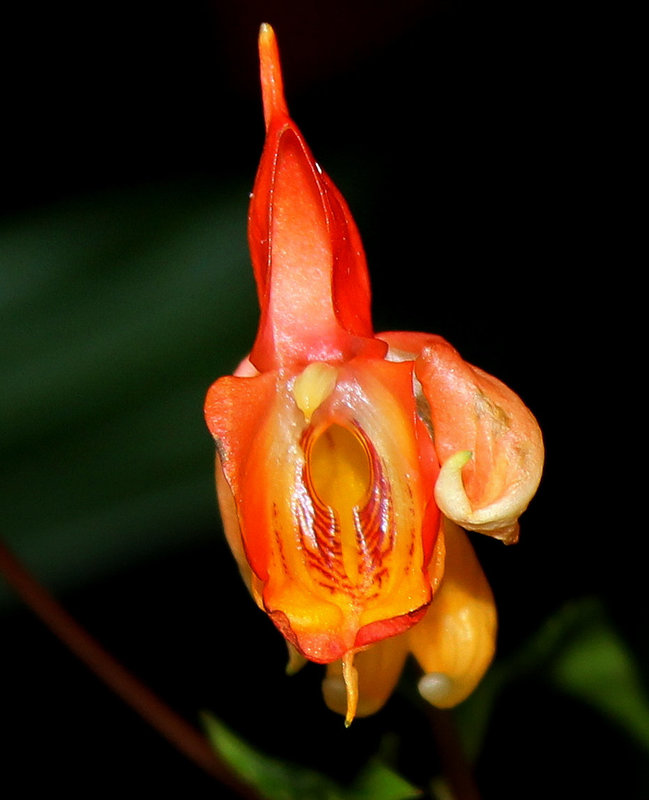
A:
(345, 515)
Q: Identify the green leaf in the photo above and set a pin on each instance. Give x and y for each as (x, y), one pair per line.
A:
(279, 780)
(378, 782)
(580, 653)
(596, 666)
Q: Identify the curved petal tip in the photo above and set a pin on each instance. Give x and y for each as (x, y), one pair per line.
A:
(488, 442)
(498, 519)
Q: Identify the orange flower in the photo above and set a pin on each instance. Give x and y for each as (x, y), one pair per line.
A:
(347, 460)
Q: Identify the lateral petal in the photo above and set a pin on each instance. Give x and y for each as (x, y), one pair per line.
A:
(487, 440)
(238, 412)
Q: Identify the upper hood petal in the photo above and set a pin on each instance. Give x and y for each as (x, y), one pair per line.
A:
(307, 254)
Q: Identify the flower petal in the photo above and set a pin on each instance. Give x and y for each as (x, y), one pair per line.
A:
(454, 643)
(307, 254)
(235, 408)
(331, 476)
(355, 549)
(232, 530)
(488, 443)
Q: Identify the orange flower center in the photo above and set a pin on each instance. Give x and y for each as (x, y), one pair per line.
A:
(339, 469)
(340, 476)
(349, 501)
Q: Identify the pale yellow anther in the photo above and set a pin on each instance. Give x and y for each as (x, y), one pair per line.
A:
(313, 386)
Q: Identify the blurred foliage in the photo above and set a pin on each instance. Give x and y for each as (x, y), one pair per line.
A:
(579, 652)
(278, 779)
(116, 312)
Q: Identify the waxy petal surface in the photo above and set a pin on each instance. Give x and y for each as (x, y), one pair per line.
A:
(336, 514)
(455, 641)
(307, 253)
(487, 440)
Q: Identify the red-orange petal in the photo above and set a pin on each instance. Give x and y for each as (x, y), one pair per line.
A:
(235, 411)
(488, 442)
(307, 254)
(336, 513)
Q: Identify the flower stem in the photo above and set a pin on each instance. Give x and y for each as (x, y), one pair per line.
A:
(455, 767)
(181, 734)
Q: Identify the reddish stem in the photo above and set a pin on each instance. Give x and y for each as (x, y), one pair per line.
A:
(455, 768)
(186, 738)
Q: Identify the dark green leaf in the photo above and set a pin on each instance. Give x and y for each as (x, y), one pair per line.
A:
(596, 666)
(579, 652)
(378, 782)
(279, 780)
